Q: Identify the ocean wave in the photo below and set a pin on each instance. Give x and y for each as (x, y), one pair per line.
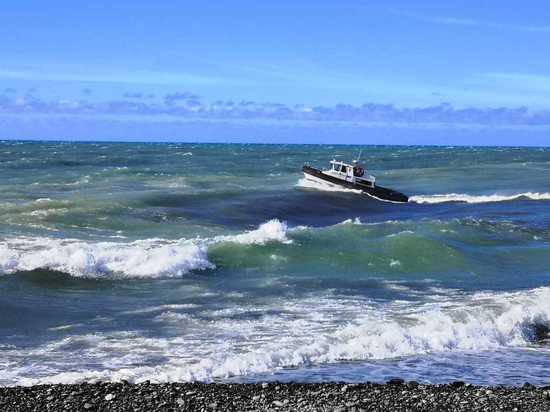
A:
(482, 322)
(430, 247)
(465, 198)
(149, 258)
(141, 259)
(309, 332)
(271, 231)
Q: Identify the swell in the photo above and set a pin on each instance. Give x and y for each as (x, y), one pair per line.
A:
(428, 247)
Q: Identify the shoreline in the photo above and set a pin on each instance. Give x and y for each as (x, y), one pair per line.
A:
(393, 395)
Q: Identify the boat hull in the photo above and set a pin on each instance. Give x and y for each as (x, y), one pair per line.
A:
(379, 192)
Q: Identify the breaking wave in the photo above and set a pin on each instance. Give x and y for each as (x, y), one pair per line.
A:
(271, 231)
(429, 248)
(140, 259)
(150, 258)
(465, 198)
(305, 335)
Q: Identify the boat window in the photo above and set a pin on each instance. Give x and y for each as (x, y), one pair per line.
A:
(344, 169)
(336, 167)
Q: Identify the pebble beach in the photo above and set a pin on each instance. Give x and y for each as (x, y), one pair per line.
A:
(395, 395)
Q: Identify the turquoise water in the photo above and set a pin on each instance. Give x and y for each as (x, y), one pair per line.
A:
(177, 262)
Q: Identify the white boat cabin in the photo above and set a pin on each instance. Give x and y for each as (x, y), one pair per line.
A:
(352, 173)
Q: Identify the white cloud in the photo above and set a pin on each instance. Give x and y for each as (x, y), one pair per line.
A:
(369, 113)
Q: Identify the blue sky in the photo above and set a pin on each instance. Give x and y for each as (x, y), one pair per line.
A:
(278, 66)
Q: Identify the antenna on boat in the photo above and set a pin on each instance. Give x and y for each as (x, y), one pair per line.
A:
(358, 157)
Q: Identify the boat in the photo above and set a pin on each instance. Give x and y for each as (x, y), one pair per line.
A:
(352, 176)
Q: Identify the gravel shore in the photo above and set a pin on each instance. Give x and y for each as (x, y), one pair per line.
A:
(394, 395)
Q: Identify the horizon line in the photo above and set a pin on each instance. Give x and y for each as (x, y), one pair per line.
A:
(131, 141)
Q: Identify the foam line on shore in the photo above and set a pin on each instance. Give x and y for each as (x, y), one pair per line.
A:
(301, 337)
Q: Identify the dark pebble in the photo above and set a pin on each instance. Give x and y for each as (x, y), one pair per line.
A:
(395, 395)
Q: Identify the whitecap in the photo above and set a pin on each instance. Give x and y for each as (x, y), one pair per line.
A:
(356, 221)
(465, 198)
(140, 259)
(271, 231)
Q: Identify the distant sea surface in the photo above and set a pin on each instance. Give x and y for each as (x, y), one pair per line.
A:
(196, 262)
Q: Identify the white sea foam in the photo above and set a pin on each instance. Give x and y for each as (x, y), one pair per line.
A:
(149, 258)
(141, 259)
(8, 259)
(314, 184)
(309, 331)
(356, 221)
(173, 317)
(161, 308)
(465, 198)
(81, 181)
(65, 327)
(271, 231)
(41, 213)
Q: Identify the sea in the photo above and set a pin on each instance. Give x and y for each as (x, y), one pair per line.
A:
(168, 262)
